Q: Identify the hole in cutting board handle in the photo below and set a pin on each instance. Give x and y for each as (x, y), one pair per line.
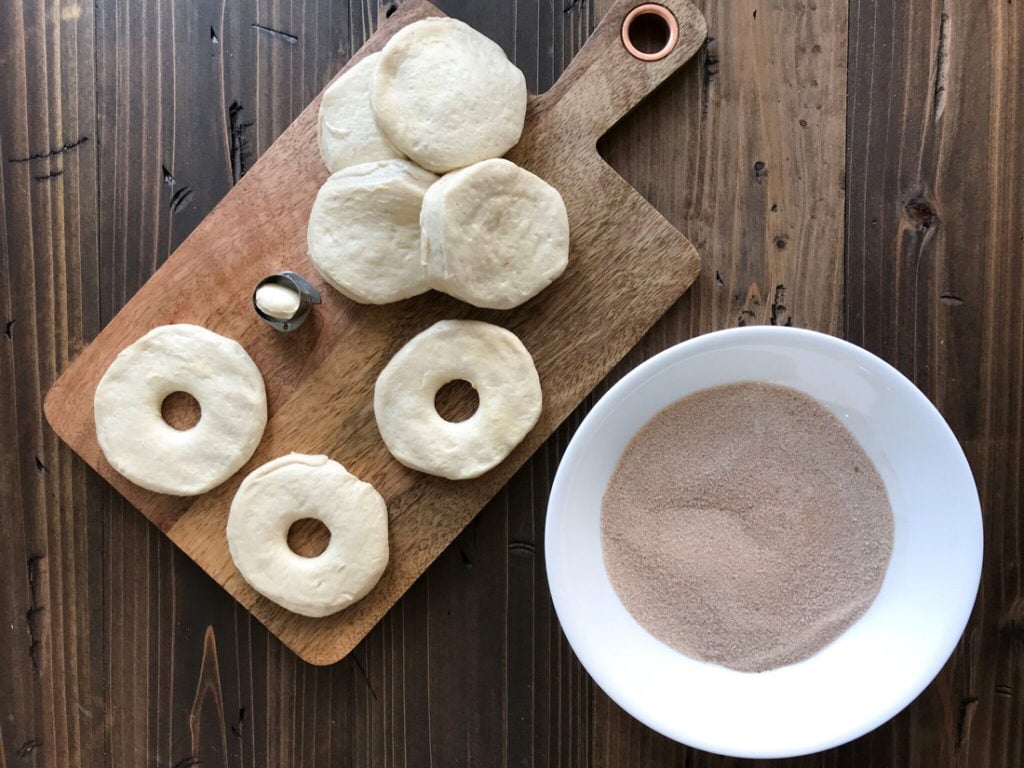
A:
(650, 32)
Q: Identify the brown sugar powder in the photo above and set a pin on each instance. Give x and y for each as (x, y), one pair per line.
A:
(745, 526)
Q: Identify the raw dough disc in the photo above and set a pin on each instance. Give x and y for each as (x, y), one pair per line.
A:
(147, 450)
(345, 127)
(447, 96)
(501, 371)
(289, 489)
(493, 234)
(364, 233)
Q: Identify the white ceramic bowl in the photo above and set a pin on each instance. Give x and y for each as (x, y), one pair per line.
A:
(871, 671)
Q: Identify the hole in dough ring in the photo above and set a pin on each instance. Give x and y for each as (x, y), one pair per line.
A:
(491, 359)
(213, 369)
(288, 489)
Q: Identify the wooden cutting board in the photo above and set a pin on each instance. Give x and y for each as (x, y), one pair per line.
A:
(627, 266)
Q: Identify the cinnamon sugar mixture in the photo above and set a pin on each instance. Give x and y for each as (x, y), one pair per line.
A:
(745, 526)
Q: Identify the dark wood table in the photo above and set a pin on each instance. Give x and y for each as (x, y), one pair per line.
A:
(857, 168)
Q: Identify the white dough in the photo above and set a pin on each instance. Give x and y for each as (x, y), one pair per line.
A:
(345, 127)
(147, 450)
(289, 489)
(364, 233)
(501, 371)
(493, 234)
(278, 300)
(447, 96)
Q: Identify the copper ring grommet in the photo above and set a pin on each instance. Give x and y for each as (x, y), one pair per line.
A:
(662, 13)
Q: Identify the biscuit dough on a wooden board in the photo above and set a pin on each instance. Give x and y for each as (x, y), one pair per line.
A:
(447, 96)
(217, 372)
(294, 487)
(496, 365)
(364, 231)
(627, 265)
(346, 127)
(493, 234)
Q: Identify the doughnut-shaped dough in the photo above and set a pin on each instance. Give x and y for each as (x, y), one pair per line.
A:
(493, 234)
(289, 489)
(447, 96)
(345, 127)
(147, 450)
(364, 232)
(501, 371)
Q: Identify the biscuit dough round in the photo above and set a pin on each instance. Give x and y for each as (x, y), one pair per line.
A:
(289, 489)
(346, 128)
(493, 234)
(447, 96)
(217, 372)
(364, 233)
(500, 369)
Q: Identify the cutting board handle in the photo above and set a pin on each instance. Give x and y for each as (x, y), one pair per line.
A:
(605, 81)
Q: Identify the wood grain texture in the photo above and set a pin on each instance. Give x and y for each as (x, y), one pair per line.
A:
(935, 265)
(470, 668)
(626, 266)
(748, 158)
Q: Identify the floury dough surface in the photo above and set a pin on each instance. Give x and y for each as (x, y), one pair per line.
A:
(346, 127)
(745, 526)
(447, 96)
(494, 361)
(147, 450)
(292, 488)
(364, 231)
(493, 235)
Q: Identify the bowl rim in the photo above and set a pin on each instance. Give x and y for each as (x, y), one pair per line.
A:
(694, 346)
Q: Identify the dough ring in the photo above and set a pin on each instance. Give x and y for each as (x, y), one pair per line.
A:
(501, 371)
(448, 96)
(345, 127)
(364, 231)
(147, 450)
(289, 489)
(493, 234)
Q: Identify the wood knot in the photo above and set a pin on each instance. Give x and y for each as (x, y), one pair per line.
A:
(779, 311)
(964, 716)
(1015, 619)
(26, 749)
(760, 171)
(710, 72)
(521, 549)
(921, 213)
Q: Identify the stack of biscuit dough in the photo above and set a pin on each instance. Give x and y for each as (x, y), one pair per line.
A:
(418, 197)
